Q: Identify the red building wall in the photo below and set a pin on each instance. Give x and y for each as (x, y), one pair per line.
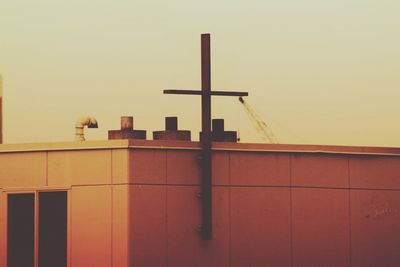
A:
(288, 208)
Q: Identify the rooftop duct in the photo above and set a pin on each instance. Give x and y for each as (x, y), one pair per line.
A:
(80, 123)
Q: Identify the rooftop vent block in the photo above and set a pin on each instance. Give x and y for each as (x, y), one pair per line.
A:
(127, 131)
(171, 131)
(219, 134)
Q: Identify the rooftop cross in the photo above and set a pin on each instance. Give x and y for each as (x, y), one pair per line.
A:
(206, 138)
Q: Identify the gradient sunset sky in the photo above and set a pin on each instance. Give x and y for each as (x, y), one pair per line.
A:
(318, 72)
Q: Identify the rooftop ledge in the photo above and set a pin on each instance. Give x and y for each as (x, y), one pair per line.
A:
(189, 145)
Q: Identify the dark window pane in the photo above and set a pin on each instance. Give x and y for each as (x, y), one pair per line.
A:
(21, 230)
(53, 229)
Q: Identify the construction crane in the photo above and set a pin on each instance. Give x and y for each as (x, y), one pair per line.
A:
(262, 128)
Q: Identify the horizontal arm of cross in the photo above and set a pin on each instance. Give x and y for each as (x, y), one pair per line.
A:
(199, 92)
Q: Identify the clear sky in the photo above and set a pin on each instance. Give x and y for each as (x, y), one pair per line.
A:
(320, 72)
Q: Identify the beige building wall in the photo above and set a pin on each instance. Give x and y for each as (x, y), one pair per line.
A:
(95, 177)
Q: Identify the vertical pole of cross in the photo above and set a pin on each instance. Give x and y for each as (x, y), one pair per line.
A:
(206, 185)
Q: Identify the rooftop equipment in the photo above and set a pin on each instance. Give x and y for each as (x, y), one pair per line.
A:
(171, 131)
(219, 134)
(80, 123)
(127, 131)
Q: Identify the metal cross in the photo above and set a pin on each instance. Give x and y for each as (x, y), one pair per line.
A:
(206, 137)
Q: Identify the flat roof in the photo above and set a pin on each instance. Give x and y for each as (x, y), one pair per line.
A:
(189, 145)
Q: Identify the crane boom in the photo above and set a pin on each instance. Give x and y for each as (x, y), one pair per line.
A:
(262, 128)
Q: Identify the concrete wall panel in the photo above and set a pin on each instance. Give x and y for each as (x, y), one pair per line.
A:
(379, 172)
(185, 244)
(216, 253)
(321, 232)
(147, 166)
(91, 226)
(259, 168)
(79, 167)
(183, 167)
(320, 170)
(375, 228)
(120, 226)
(220, 168)
(260, 227)
(120, 166)
(184, 239)
(23, 169)
(148, 225)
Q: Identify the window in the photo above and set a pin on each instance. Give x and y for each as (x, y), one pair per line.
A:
(21, 230)
(51, 215)
(52, 229)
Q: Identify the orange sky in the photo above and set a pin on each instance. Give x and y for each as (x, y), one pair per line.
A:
(317, 72)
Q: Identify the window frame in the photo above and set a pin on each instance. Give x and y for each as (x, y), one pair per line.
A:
(5, 192)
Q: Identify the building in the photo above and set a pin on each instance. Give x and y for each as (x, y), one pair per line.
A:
(135, 203)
